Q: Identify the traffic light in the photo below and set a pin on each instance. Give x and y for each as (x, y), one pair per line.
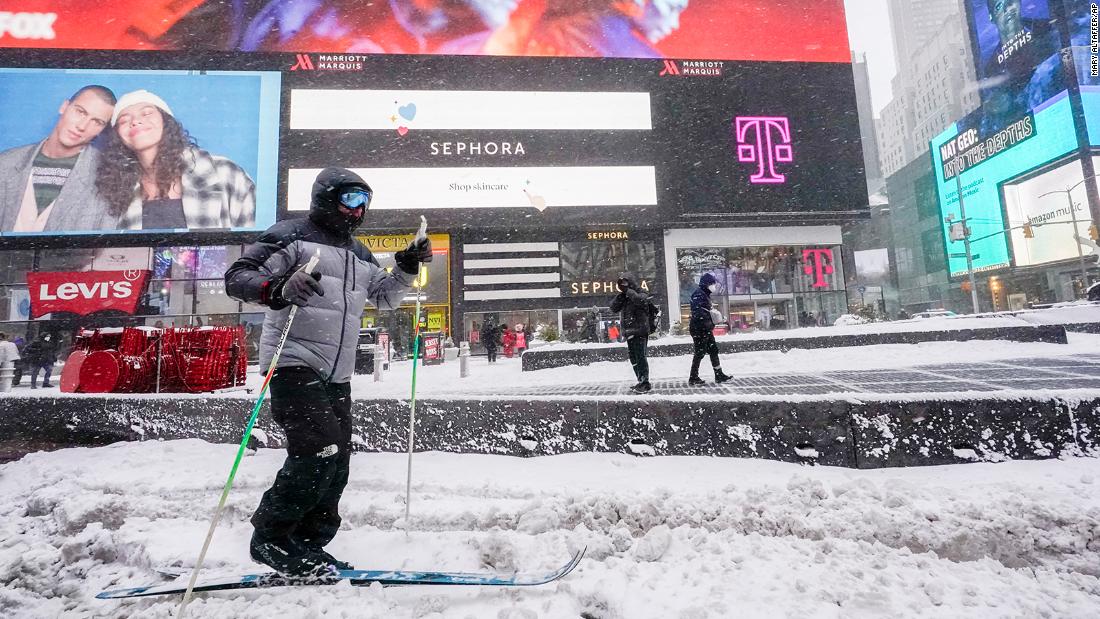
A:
(1094, 234)
(1029, 232)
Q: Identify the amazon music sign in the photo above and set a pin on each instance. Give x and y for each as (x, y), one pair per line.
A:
(85, 292)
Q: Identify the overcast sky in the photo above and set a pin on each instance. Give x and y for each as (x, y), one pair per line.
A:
(869, 33)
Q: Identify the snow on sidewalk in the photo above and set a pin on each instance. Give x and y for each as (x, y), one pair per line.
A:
(667, 537)
(505, 377)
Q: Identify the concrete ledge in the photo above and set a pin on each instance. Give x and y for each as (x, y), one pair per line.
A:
(832, 432)
(541, 359)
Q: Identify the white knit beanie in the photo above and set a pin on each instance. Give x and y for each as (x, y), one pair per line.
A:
(135, 97)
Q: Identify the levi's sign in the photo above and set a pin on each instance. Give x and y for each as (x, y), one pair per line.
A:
(85, 292)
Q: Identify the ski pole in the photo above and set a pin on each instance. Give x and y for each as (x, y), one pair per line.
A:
(422, 233)
(309, 266)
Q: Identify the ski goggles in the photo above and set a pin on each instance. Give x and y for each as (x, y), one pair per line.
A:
(359, 198)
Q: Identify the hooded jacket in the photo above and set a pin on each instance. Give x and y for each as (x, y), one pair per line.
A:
(632, 304)
(326, 331)
(702, 323)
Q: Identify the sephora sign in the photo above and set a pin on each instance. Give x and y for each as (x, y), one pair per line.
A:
(85, 292)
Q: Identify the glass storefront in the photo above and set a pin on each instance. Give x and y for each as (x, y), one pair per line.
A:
(435, 292)
(186, 288)
(766, 288)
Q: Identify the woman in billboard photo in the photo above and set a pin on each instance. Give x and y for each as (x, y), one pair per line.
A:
(155, 177)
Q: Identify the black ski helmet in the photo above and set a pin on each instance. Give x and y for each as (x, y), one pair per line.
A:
(324, 208)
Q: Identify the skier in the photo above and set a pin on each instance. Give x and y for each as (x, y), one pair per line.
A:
(310, 389)
(633, 303)
(701, 327)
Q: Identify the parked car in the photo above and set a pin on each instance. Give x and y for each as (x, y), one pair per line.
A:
(934, 314)
(849, 319)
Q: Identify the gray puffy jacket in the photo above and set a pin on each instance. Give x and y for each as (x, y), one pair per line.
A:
(325, 332)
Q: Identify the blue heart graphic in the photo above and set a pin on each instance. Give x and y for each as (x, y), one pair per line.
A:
(408, 112)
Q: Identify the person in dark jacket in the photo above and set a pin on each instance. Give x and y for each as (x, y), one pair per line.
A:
(633, 305)
(41, 355)
(701, 327)
(490, 339)
(311, 389)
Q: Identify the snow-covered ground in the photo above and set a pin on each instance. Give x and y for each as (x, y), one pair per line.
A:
(506, 376)
(667, 537)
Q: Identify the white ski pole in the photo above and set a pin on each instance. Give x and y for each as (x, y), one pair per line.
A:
(420, 234)
(309, 266)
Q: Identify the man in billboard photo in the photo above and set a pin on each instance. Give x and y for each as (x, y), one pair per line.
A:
(633, 304)
(50, 186)
(1021, 69)
(311, 390)
(154, 176)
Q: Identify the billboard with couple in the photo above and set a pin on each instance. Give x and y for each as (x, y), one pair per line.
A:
(125, 151)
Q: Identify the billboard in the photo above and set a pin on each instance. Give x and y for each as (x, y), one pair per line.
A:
(982, 161)
(95, 151)
(1051, 200)
(535, 142)
(1017, 56)
(697, 29)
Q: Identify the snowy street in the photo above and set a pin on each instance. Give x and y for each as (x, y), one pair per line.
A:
(666, 537)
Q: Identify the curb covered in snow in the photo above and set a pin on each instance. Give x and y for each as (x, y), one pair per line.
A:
(835, 432)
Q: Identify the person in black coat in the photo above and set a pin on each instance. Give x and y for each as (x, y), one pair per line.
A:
(633, 304)
(41, 354)
(701, 327)
(490, 338)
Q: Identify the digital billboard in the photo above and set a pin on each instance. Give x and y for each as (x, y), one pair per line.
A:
(1042, 199)
(782, 30)
(113, 151)
(534, 142)
(1017, 56)
(983, 162)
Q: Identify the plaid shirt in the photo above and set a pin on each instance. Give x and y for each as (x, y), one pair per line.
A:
(217, 193)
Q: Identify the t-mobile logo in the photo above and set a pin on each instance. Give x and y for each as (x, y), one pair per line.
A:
(765, 141)
(819, 263)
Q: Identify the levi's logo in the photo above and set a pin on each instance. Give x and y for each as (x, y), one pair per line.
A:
(92, 290)
(86, 292)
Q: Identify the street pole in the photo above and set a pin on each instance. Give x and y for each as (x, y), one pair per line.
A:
(966, 244)
(1080, 254)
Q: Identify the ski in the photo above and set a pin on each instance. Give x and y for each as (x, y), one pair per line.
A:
(386, 578)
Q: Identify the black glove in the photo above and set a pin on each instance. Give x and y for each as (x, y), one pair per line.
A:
(418, 251)
(298, 288)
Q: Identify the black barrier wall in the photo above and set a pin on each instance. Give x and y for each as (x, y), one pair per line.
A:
(831, 432)
(552, 358)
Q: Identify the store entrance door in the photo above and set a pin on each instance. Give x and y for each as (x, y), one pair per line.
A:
(759, 315)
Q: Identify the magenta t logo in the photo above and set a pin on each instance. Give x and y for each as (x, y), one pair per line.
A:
(819, 263)
(770, 143)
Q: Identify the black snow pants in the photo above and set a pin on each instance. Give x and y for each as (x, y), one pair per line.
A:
(705, 345)
(636, 350)
(303, 503)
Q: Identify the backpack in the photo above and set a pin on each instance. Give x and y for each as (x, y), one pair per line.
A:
(653, 313)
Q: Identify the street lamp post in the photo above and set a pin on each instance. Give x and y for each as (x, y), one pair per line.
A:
(966, 245)
(1073, 215)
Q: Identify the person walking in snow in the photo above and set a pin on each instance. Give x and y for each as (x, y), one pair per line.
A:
(521, 340)
(633, 304)
(507, 340)
(40, 356)
(310, 390)
(701, 327)
(490, 338)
